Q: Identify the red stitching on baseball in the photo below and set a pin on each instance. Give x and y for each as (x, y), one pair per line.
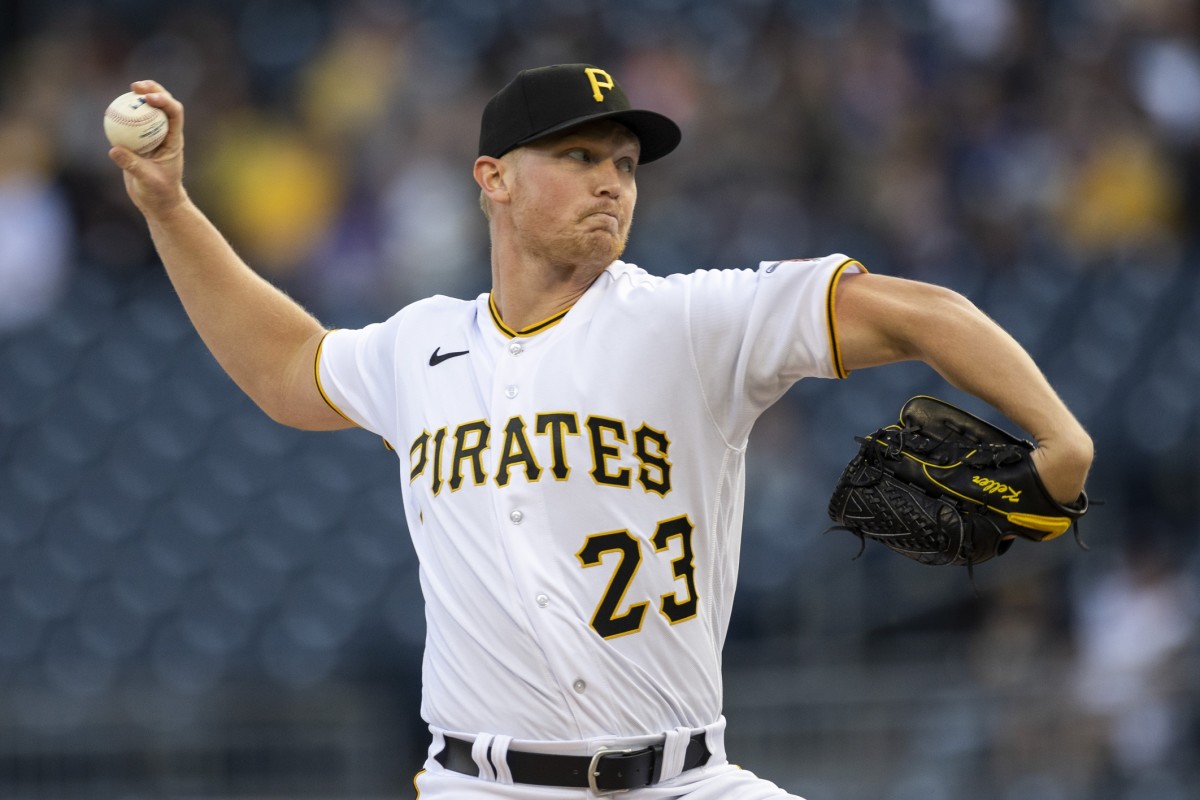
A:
(123, 120)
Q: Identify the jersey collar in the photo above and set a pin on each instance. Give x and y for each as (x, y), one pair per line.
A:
(537, 327)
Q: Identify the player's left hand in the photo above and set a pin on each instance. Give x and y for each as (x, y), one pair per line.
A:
(155, 181)
(943, 486)
(1062, 463)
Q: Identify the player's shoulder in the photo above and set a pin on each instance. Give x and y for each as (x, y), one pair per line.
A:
(632, 277)
(433, 310)
(638, 292)
(627, 275)
(427, 316)
(442, 304)
(833, 261)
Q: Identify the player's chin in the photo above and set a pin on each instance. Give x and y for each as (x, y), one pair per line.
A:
(613, 247)
(601, 244)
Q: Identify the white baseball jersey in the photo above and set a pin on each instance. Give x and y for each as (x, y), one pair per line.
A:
(574, 490)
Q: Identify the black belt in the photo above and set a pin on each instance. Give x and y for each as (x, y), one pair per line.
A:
(608, 771)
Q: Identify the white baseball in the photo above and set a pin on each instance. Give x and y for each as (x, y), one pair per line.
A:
(134, 123)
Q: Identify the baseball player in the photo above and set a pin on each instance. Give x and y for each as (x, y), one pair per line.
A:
(572, 444)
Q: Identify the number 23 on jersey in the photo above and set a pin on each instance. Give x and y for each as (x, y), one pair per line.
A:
(671, 536)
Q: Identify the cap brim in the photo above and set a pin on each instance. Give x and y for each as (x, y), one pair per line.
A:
(657, 134)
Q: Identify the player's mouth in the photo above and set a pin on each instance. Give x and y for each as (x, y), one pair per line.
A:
(604, 215)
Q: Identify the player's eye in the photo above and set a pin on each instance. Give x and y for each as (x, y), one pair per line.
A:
(579, 154)
(627, 165)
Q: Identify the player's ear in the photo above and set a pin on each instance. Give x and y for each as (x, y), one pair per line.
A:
(491, 175)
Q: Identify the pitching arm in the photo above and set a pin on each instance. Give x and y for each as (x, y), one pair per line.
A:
(262, 338)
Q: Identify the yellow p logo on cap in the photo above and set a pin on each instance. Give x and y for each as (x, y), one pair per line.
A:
(599, 80)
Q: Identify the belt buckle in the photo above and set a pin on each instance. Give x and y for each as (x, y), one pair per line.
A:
(593, 769)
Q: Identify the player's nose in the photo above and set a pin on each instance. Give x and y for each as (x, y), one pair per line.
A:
(609, 177)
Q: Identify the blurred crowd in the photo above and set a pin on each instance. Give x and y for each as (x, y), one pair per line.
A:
(332, 142)
(969, 142)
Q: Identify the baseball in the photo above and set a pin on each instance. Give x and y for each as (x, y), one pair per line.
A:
(134, 123)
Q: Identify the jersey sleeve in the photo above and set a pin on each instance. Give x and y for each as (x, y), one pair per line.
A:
(754, 333)
(355, 373)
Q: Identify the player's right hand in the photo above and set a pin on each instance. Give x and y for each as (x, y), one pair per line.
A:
(155, 181)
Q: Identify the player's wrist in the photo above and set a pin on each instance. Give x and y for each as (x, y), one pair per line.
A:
(1070, 446)
(1062, 470)
(167, 207)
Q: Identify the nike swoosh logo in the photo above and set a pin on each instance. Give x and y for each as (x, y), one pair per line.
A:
(438, 358)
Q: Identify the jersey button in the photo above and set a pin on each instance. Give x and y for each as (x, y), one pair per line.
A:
(516, 515)
(516, 348)
(511, 391)
(542, 600)
(579, 685)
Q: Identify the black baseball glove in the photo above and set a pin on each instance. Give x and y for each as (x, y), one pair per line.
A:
(945, 487)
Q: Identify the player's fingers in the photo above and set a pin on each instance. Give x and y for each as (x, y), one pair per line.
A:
(148, 86)
(125, 158)
(136, 166)
(157, 96)
(173, 143)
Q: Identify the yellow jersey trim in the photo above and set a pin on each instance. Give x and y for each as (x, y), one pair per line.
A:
(317, 378)
(835, 347)
(538, 327)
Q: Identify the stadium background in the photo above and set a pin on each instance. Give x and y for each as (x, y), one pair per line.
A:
(195, 602)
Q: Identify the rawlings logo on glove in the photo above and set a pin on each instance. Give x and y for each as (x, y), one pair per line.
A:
(990, 486)
(945, 487)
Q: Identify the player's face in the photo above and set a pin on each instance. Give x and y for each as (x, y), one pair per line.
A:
(573, 197)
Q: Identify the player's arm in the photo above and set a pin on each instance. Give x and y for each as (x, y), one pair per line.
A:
(263, 339)
(882, 320)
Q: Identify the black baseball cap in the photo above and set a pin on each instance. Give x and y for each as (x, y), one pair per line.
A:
(546, 100)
